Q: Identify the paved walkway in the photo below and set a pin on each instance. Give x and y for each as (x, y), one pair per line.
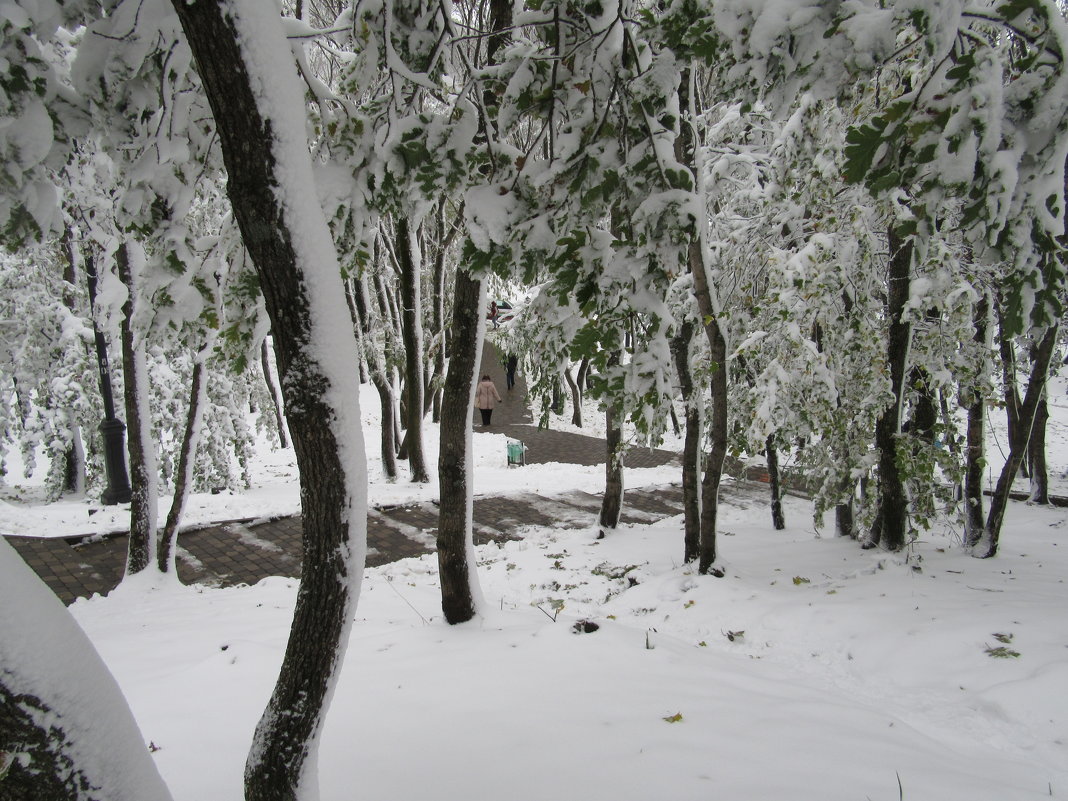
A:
(240, 552)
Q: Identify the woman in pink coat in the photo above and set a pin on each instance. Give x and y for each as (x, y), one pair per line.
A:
(485, 396)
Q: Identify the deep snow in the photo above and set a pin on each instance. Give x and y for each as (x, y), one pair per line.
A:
(812, 670)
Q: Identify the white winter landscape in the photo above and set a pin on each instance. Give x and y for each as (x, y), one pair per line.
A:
(811, 670)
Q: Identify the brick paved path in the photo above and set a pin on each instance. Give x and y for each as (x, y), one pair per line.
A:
(242, 552)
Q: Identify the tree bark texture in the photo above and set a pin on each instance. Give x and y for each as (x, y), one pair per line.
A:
(334, 519)
(576, 398)
(456, 569)
(612, 502)
(893, 505)
(691, 449)
(183, 478)
(272, 390)
(409, 254)
(1010, 387)
(142, 549)
(975, 454)
(686, 153)
(1036, 387)
(778, 520)
(361, 321)
(74, 460)
(1036, 455)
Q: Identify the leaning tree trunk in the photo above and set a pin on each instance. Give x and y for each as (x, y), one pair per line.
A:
(1010, 389)
(409, 255)
(55, 691)
(141, 553)
(265, 366)
(612, 502)
(893, 507)
(1036, 386)
(778, 520)
(691, 449)
(183, 479)
(456, 558)
(270, 186)
(1036, 455)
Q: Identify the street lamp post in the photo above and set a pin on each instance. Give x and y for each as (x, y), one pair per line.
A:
(118, 488)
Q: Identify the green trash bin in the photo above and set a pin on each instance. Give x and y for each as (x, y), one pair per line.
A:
(516, 453)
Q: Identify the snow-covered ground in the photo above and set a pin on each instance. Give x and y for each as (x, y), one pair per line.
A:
(812, 670)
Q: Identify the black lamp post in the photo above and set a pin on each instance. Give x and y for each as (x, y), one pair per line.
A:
(112, 429)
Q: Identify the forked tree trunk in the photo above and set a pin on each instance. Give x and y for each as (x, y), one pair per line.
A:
(410, 256)
(456, 564)
(583, 374)
(276, 402)
(612, 502)
(686, 153)
(691, 449)
(576, 398)
(314, 343)
(183, 478)
(1036, 387)
(142, 550)
(778, 520)
(893, 506)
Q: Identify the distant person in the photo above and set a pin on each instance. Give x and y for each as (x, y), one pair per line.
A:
(485, 396)
(493, 313)
(513, 364)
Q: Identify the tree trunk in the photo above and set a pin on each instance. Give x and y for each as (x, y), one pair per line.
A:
(54, 693)
(183, 479)
(409, 253)
(74, 459)
(267, 159)
(558, 397)
(141, 553)
(686, 153)
(438, 307)
(893, 505)
(843, 520)
(612, 502)
(265, 365)
(361, 321)
(1036, 455)
(975, 457)
(583, 374)
(576, 398)
(1036, 386)
(691, 449)
(456, 559)
(777, 518)
(1010, 388)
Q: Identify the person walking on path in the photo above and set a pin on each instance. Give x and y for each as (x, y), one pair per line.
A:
(486, 395)
(494, 313)
(513, 364)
